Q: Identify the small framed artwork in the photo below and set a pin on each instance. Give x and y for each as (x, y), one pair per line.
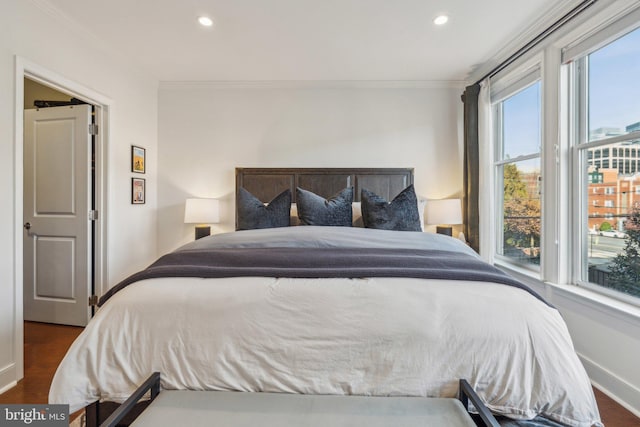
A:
(137, 191)
(137, 159)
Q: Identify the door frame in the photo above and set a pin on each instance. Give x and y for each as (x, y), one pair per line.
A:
(25, 68)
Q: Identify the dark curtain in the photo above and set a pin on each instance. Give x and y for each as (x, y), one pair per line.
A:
(471, 166)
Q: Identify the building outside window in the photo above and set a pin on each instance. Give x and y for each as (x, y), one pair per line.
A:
(606, 133)
(517, 113)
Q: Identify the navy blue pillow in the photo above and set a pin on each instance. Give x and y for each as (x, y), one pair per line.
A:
(401, 214)
(316, 210)
(252, 213)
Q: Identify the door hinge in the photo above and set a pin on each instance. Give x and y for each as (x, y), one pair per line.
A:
(93, 215)
(93, 300)
(93, 129)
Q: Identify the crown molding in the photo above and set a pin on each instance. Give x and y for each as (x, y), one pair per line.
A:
(48, 8)
(314, 84)
(79, 28)
(521, 38)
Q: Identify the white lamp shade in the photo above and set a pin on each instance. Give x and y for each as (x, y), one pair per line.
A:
(444, 212)
(202, 211)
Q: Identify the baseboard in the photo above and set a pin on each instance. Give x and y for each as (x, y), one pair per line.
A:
(613, 386)
(8, 377)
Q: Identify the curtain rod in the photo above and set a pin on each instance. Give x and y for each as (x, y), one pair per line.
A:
(539, 38)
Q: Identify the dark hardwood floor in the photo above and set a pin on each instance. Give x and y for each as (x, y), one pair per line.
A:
(614, 415)
(46, 344)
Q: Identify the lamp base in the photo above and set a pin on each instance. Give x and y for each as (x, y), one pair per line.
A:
(202, 232)
(441, 229)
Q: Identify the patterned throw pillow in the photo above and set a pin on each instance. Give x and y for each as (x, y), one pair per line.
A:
(401, 214)
(316, 210)
(252, 213)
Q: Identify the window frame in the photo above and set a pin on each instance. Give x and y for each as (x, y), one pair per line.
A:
(578, 124)
(503, 88)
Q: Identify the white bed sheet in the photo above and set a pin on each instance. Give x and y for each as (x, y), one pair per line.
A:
(379, 336)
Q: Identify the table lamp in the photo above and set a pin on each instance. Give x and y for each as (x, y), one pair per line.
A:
(444, 213)
(202, 212)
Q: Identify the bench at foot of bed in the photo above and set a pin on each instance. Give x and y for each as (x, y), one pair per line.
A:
(205, 408)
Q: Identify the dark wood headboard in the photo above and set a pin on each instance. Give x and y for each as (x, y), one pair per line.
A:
(266, 183)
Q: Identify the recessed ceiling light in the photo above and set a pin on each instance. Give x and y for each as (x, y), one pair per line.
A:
(441, 20)
(205, 21)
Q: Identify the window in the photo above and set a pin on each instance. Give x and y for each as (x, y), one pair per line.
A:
(517, 109)
(595, 178)
(576, 124)
(604, 79)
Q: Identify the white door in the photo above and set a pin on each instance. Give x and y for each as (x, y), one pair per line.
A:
(57, 200)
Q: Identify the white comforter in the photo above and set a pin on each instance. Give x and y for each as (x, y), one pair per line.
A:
(381, 336)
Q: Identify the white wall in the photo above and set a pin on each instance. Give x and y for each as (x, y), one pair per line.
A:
(208, 129)
(43, 38)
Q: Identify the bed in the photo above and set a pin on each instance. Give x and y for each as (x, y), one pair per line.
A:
(331, 311)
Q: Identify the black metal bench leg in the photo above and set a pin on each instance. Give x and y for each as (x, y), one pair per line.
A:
(467, 393)
(92, 414)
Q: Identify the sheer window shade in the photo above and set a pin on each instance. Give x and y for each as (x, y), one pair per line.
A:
(606, 33)
(501, 89)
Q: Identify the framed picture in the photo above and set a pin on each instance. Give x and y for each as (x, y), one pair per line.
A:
(137, 159)
(137, 191)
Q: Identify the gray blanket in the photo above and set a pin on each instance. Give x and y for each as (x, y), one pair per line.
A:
(322, 262)
(330, 237)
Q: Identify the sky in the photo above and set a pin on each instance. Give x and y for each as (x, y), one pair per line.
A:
(521, 115)
(614, 83)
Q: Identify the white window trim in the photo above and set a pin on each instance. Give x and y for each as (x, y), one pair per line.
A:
(578, 137)
(503, 86)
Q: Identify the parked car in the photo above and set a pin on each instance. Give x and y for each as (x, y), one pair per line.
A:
(613, 233)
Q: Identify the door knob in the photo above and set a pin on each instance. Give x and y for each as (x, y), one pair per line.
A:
(27, 225)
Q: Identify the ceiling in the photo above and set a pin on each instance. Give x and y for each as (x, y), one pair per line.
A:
(258, 40)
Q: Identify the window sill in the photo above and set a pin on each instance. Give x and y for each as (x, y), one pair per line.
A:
(560, 295)
(521, 271)
(625, 311)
